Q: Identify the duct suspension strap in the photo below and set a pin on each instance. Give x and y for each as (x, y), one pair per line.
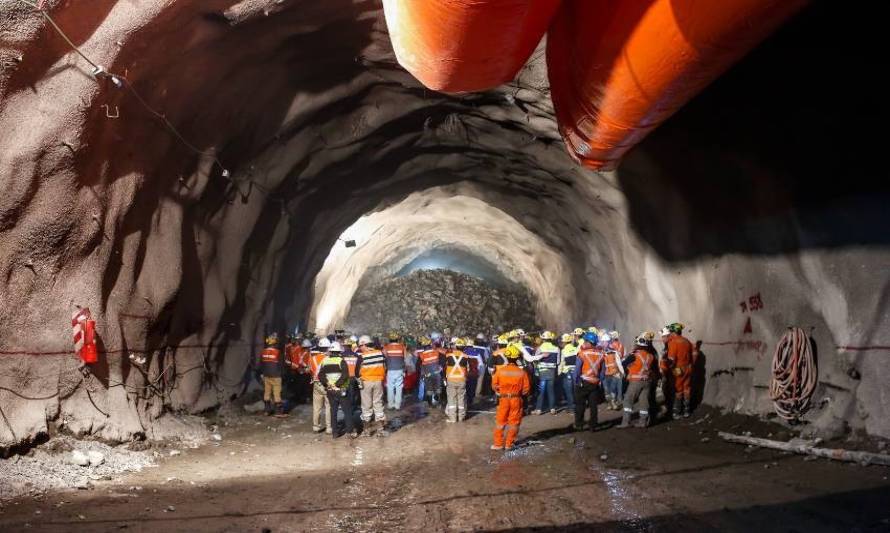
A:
(794, 374)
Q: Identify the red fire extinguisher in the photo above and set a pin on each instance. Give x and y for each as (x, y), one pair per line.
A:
(89, 354)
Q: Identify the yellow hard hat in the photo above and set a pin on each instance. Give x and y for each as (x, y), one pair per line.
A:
(503, 340)
(613, 334)
(272, 339)
(578, 331)
(593, 329)
(393, 336)
(548, 335)
(459, 342)
(512, 352)
(567, 337)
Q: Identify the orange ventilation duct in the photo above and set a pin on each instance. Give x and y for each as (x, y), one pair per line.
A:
(466, 45)
(618, 69)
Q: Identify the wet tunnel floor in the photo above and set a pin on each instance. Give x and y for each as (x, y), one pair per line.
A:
(432, 476)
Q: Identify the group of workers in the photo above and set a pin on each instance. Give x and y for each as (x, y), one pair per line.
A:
(524, 372)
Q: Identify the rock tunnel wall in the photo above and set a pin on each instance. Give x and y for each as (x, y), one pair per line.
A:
(753, 203)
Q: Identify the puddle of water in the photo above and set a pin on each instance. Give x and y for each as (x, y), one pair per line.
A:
(621, 503)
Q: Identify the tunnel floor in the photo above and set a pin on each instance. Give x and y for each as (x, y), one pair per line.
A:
(274, 474)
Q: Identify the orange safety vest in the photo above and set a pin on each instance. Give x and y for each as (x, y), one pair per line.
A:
(591, 365)
(351, 362)
(372, 365)
(395, 349)
(612, 361)
(641, 367)
(270, 355)
(618, 347)
(456, 372)
(429, 357)
(315, 359)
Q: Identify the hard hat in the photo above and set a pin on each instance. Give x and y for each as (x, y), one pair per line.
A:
(520, 332)
(503, 340)
(324, 343)
(641, 340)
(363, 340)
(425, 341)
(272, 339)
(648, 335)
(567, 337)
(335, 347)
(435, 335)
(578, 331)
(594, 330)
(590, 337)
(614, 335)
(676, 327)
(665, 331)
(605, 337)
(393, 336)
(512, 352)
(480, 337)
(548, 335)
(306, 343)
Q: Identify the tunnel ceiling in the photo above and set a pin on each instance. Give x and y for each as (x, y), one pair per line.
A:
(194, 207)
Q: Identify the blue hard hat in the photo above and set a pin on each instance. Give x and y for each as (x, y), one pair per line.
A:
(590, 337)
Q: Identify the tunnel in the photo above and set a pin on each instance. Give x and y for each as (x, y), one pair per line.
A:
(200, 174)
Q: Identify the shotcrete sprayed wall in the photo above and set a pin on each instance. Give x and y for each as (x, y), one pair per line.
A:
(754, 194)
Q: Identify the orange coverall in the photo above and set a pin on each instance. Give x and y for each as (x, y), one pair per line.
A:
(679, 351)
(511, 383)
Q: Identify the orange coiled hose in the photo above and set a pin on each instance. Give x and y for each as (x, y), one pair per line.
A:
(466, 45)
(795, 375)
(618, 69)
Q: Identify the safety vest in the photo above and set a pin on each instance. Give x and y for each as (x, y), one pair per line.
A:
(270, 355)
(315, 359)
(394, 349)
(569, 353)
(591, 365)
(641, 367)
(618, 347)
(332, 377)
(351, 362)
(612, 363)
(373, 368)
(550, 355)
(455, 373)
(429, 357)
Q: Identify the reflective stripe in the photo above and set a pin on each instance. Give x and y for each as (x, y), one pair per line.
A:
(628, 410)
(457, 372)
(351, 361)
(591, 362)
(270, 355)
(639, 370)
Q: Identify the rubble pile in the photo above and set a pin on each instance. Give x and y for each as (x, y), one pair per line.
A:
(440, 300)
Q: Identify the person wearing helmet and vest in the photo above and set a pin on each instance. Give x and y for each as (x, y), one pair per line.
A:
(547, 356)
(588, 381)
(477, 351)
(457, 365)
(640, 367)
(334, 375)
(577, 333)
(510, 383)
(270, 363)
(495, 360)
(371, 370)
(567, 359)
(430, 359)
(321, 413)
(677, 370)
(613, 383)
(395, 352)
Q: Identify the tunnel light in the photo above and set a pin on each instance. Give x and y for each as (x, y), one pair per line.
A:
(350, 243)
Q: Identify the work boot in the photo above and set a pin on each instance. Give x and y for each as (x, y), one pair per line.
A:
(678, 407)
(496, 447)
(686, 411)
(279, 411)
(644, 421)
(536, 412)
(268, 408)
(553, 411)
(625, 421)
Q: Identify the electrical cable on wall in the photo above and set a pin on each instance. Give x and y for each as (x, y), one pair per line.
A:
(795, 374)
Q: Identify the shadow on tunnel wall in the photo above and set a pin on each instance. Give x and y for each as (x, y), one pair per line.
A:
(782, 153)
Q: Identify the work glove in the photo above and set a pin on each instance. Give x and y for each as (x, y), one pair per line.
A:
(678, 372)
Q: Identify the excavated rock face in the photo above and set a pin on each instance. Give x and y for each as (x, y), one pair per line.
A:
(440, 300)
(753, 209)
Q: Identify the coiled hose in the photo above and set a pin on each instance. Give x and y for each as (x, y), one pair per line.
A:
(794, 375)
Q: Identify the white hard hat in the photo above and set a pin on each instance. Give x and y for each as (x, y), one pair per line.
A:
(335, 347)
(324, 343)
(353, 338)
(455, 340)
(520, 332)
(363, 340)
(665, 331)
(306, 343)
(435, 335)
(605, 337)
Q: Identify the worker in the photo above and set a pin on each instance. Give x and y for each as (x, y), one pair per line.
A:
(639, 367)
(577, 333)
(395, 352)
(613, 383)
(567, 359)
(430, 372)
(679, 351)
(510, 383)
(296, 355)
(457, 365)
(334, 374)
(547, 355)
(320, 406)
(350, 355)
(270, 363)
(371, 370)
(495, 360)
(478, 352)
(588, 381)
